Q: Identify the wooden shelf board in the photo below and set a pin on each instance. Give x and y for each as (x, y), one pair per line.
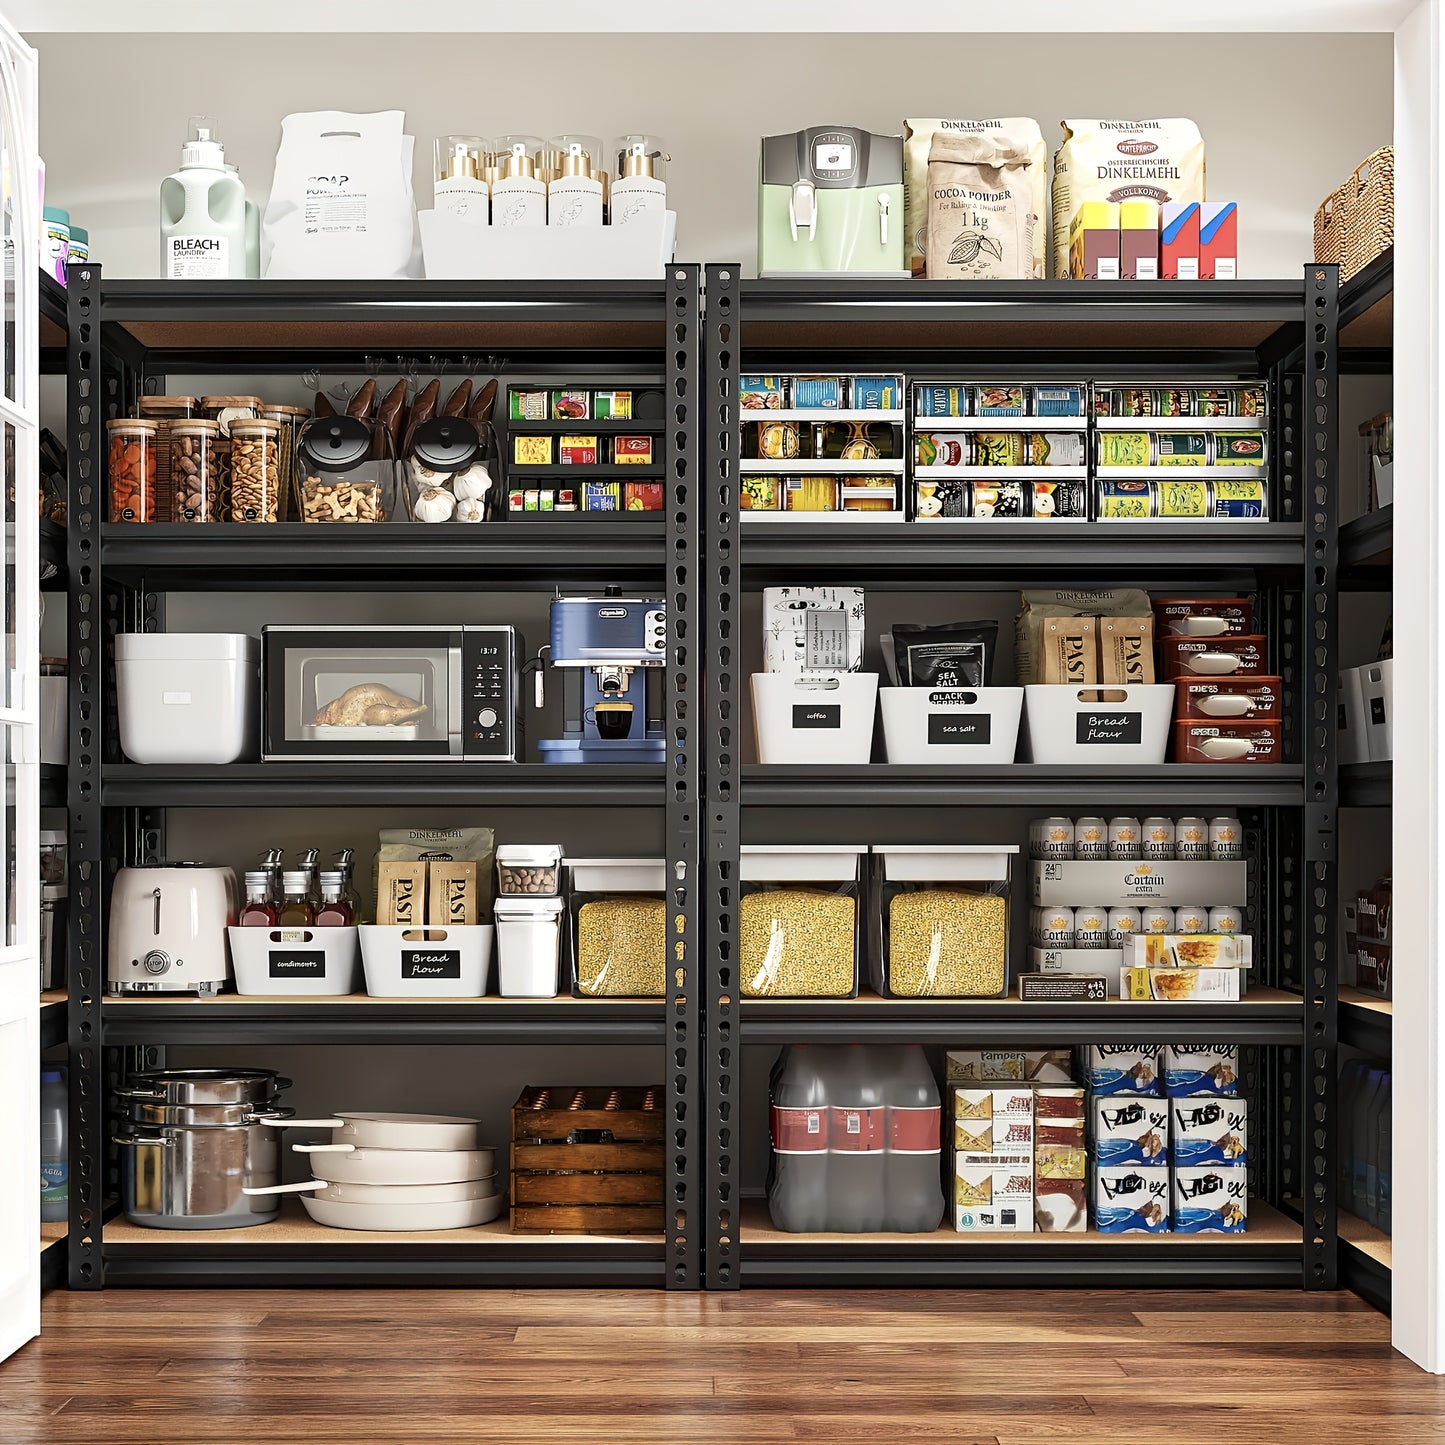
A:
(1371, 1002)
(867, 999)
(49, 996)
(1374, 1243)
(362, 1000)
(52, 1232)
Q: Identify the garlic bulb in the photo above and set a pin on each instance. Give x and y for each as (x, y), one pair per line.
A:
(435, 505)
(424, 476)
(472, 484)
(469, 509)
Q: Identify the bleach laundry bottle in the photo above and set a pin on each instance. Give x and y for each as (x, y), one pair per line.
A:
(203, 213)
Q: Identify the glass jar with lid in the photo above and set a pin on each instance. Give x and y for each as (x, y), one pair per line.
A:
(195, 447)
(131, 469)
(225, 410)
(163, 410)
(290, 419)
(255, 470)
(340, 479)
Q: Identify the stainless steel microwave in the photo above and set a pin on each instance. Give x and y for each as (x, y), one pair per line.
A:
(378, 693)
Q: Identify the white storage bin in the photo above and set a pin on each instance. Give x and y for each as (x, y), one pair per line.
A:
(1377, 693)
(814, 719)
(430, 962)
(187, 697)
(284, 961)
(54, 720)
(1353, 743)
(1097, 725)
(951, 724)
(529, 930)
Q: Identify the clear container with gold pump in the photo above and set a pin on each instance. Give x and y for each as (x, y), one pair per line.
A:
(641, 184)
(519, 195)
(458, 186)
(574, 194)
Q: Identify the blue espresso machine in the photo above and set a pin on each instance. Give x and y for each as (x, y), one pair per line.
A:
(611, 650)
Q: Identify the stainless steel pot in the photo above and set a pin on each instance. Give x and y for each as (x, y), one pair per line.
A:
(203, 1116)
(205, 1086)
(193, 1178)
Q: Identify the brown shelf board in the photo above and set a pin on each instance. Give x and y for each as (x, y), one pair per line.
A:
(50, 996)
(1279, 1000)
(365, 1000)
(1371, 1002)
(1371, 1242)
(52, 1232)
(1374, 328)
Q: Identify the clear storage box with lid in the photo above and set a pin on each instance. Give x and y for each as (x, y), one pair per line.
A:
(195, 470)
(131, 463)
(450, 478)
(339, 478)
(255, 473)
(224, 410)
(618, 908)
(798, 921)
(944, 920)
(525, 869)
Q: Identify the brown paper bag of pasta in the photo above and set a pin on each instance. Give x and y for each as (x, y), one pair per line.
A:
(980, 207)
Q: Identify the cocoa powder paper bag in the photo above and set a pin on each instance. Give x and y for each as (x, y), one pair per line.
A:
(981, 224)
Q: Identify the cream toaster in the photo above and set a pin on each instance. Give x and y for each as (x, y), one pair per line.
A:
(168, 929)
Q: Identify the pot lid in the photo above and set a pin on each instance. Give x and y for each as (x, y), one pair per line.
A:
(446, 443)
(335, 443)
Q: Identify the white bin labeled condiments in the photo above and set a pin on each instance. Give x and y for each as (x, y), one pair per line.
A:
(798, 921)
(1098, 726)
(951, 724)
(814, 719)
(619, 927)
(529, 931)
(187, 697)
(282, 962)
(429, 962)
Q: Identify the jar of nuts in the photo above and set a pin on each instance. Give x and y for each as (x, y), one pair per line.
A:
(131, 469)
(195, 471)
(255, 471)
(529, 868)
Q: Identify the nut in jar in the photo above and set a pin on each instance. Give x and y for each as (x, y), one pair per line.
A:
(255, 470)
(131, 469)
(195, 471)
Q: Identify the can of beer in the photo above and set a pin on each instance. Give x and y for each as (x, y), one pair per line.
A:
(1191, 839)
(1226, 839)
(1091, 839)
(1125, 448)
(997, 401)
(1238, 449)
(1158, 846)
(1124, 844)
(997, 499)
(1186, 497)
(1179, 449)
(1053, 927)
(1057, 399)
(1121, 497)
(1057, 499)
(1123, 925)
(1156, 919)
(1191, 919)
(1051, 838)
(1226, 920)
(1091, 927)
(1240, 497)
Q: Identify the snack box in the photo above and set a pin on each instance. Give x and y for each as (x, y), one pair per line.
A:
(1061, 1206)
(601, 496)
(1005, 1116)
(1209, 1131)
(1122, 1069)
(1039, 1066)
(1130, 1200)
(1059, 1161)
(1182, 985)
(1233, 654)
(1212, 1199)
(1245, 741)
(1252, 698)
(993, 1192)
(1112, 884)
(1203, 616)
(1056, 1107)
(1128, 1130)
(1191, 1069)
(1190, 950)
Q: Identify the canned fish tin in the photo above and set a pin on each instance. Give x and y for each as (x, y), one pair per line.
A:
(1051, 838)
(997, 401)
(1191, 839)
(997, 499)
(1226, 839)
(1058, 400)
(1123, 924)
(1126, 498)
(1053, 927)
(1124, 841)
(1226, 920)
(1240, 497)
(1238, 449)
(1185, 497)
(1158, 840)
(1190, 918)
(1125, 448)
(1091, 840)
(1091, 927)
(1057, 499)
(1156, 919)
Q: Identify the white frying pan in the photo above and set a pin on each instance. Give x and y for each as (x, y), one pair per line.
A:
(366, 1129)
(386, 1194)
(346, 1164)
(460, 1214)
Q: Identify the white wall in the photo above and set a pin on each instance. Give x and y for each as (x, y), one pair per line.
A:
(1285, 117)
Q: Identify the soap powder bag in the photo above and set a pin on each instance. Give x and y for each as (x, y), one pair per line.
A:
(981, 223)
(918, 141)
(1123, 160)
(341, 204)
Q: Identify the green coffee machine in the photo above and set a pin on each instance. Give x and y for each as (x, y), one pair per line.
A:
(830, 203)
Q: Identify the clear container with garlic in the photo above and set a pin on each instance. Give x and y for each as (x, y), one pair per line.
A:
(340, 477)
(447, 466)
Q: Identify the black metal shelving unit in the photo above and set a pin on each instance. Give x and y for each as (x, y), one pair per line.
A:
(1287, 1025)
(138, 333)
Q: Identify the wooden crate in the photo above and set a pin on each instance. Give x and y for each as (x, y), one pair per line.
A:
(595, 1184)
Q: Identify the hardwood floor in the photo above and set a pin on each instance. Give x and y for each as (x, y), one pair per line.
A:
(400, 1367)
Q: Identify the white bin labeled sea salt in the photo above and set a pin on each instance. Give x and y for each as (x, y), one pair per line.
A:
(1200, 1069)
(1130, 1130)
(1213, 1199)
(1209, 1131)
(1129, 1199)
(1122, 1068)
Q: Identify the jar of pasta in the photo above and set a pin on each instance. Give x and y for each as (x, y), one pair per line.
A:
(131, 469)
(255, 471)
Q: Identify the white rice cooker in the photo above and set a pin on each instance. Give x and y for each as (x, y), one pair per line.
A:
(168, 929)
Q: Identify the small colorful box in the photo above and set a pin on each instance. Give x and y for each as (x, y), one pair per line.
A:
(642, 496)
(1179, 241)
(569, 405)
(758, 494)
(528, 406)
(1218, 240)
(580, 451)
(760, 393)
(1094, 242)
(1138, 240)
(602, 497)
(516, 500)
(612, 405)
(532, 451)
(632, 451)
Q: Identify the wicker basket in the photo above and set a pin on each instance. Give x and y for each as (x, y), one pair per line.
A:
(1330, 227)
(1370, 226)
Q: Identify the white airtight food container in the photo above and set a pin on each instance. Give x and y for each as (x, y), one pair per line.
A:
(529, 931)
(187, 697)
